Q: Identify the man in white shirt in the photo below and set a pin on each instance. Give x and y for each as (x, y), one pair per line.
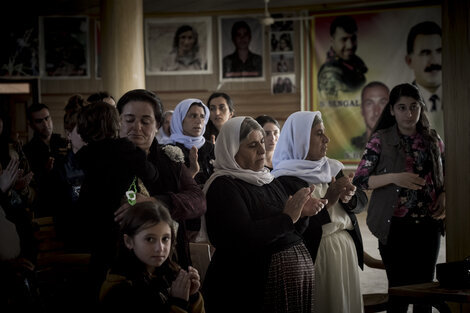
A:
(424, 47)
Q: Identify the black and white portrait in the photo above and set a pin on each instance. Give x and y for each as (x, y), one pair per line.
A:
(178, 46)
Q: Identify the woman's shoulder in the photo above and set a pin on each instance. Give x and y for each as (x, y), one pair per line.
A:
(291, 182)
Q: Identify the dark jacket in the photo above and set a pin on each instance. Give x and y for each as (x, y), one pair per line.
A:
(110, 166)
(205, 158)
(180, 193)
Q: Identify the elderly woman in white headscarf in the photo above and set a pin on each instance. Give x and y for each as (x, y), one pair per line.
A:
(188, 124)
(301, 154)
(260, 262)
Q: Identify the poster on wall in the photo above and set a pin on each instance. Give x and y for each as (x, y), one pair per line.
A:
(241, 48)
(359, 57)
(64, 47)
(178, 46)
(19, 56)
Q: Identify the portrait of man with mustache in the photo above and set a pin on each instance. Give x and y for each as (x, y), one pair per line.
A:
(424, 47)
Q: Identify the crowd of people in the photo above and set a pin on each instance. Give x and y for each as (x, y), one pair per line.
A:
(278, 214)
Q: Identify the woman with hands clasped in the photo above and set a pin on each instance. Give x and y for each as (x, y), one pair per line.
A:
(403, 165)
(144, 275)
(339, 253)
(255, 225)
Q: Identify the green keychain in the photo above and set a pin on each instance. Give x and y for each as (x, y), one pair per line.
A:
(131, 194)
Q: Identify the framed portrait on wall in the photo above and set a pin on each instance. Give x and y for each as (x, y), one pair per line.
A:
(65, 47)
(283, 83)
(19, 56)
(178, 46)
(241, 48)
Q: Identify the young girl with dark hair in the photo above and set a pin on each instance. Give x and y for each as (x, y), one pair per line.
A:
(403, 165)
(144, 274)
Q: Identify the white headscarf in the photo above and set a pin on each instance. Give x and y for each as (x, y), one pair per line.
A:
(226, 147)
(292, 149)
(176, 125)
(162, 137)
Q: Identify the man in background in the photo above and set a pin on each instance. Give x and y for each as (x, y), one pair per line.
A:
(242, 62)
(424, 48)
(374, 98)
(343, 71)
(41, 151)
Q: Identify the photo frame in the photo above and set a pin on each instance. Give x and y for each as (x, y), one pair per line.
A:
(250, 36)
(190, 55)
(64, 47)
(19, 56)
(284, 83)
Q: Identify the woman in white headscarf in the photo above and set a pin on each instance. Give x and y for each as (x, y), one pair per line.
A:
(260, 262)
(188, 124)
(301, 154)
(164, 132)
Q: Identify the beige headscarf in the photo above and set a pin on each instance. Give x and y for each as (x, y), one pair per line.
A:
(226, 147)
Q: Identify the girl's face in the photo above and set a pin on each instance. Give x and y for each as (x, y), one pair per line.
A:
(318, 143)
(407, 112)
(220, 111)
(193, 123)
(151, 245)
(272, 136)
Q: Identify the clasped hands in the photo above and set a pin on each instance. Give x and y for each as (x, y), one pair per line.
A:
(303, 203)
(186, 284)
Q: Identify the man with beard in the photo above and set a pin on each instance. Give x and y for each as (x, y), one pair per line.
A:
(41, 151)
(424, 48)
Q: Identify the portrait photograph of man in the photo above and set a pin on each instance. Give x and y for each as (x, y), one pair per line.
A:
(241, 48)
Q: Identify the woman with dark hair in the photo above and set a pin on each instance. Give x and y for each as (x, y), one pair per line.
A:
(403, 165)
(272, 130)
(255, 226)
(144, 274)
(221, 110)
(141, 115)
(188, 124)
(184, 55)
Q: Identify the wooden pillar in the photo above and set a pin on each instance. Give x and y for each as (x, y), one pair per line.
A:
(123, 64)
(456, 95)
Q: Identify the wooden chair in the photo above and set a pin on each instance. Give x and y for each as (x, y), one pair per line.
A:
(61, 275)
(201, 255)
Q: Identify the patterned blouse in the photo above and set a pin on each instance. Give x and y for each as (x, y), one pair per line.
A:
(412, 203)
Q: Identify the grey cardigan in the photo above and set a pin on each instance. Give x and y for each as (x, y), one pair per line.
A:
(384, 199)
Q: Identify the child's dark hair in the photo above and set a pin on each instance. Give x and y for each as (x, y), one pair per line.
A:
(73, 106)
(98, 121)
(141, 216)
(99, 96)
